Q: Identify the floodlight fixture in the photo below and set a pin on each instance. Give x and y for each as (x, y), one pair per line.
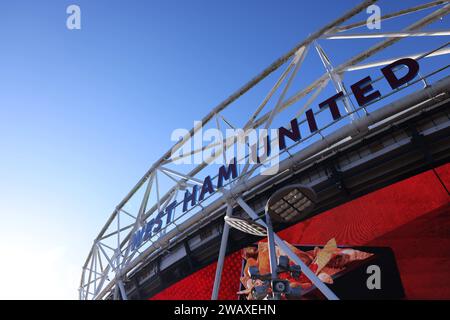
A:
(291, 203)
(246, 226)
(286, 205)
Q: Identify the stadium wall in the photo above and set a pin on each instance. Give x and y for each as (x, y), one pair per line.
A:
(411, 216)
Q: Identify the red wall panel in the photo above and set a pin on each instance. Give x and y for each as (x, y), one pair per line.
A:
(422, 251)
(359, 221)
(198, 286)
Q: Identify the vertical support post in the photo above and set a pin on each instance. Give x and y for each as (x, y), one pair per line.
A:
(116, 293)
(122, 290)
(424, 81)
(222, 251)
(336, 79)
(272, 252)
(285, 248)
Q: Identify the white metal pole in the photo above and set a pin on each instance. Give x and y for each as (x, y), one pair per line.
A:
(123, 293)
(272, 253)
(222, 252)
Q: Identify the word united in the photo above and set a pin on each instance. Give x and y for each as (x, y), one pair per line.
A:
(363, 92)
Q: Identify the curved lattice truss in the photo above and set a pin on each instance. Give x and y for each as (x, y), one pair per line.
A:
(114, 256)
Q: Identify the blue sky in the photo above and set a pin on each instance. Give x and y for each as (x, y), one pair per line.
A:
(84, 113)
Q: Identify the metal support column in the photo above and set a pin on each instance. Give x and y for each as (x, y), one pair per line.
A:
(123, 293)
(272, 253)
(336, 79)
(222, 251)
(285, 248)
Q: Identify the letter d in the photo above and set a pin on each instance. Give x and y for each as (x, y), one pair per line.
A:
(394, 82)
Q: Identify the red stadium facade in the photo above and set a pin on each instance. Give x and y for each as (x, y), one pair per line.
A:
(411, 216)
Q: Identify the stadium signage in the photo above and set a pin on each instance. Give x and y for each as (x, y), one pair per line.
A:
(363, 92)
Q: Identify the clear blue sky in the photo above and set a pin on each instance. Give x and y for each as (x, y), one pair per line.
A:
(84, 113)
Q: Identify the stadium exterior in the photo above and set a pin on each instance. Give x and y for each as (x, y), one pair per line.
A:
(380, 169)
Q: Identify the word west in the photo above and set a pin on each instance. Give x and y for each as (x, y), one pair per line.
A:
(73, 21)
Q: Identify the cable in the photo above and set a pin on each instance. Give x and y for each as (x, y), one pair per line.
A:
(442, 182)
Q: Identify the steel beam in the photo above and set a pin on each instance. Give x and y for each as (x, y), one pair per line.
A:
(222, 252)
